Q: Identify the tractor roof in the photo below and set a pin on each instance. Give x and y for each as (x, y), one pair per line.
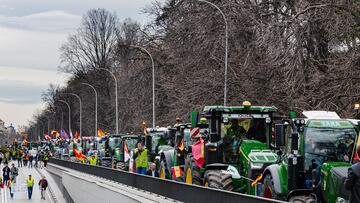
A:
(260, 109)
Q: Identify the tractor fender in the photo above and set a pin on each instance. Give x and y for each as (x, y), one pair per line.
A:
(274, 171)
(168, 156)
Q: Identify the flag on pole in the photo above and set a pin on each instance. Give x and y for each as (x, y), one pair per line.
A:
(71, 135)
(76, 135)
(47, 137)
(54, 133)
(100, 133)
(126, 153)
(64, 134)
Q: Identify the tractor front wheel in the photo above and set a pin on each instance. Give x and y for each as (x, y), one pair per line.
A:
(191, 173)
(217, 179)
(163, 171)
(302, 199)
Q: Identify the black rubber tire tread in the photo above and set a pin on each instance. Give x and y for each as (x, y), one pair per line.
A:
(121, 166)
(219, 180)
(196, 175)
(302, 199)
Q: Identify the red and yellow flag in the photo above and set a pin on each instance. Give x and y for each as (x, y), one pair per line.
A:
(181, 145)
(76, 135)
(176, 172)
(100, 133)
(198, 151)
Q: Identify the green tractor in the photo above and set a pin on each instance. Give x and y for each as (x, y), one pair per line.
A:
(233, 163)
(158, 141)
(121, 147)
(175, 156)
(317, 152)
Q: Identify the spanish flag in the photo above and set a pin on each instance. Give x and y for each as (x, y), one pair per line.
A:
(100, 133)
(176, 172)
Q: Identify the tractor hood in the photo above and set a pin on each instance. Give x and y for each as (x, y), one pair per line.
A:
(257, 152)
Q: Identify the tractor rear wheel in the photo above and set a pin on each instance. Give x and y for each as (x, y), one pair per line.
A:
(219, 180)
(268, 187)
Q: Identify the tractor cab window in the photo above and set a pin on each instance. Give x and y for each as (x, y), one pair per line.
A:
(114, 142)
(248, 128)
(238, 128)
(131, 143)
(328, 145)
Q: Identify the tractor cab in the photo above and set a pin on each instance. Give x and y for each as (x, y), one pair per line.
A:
(319, 149)
(121, 147)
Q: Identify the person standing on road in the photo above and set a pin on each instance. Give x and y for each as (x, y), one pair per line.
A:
(141, 159)
(31, 158)
(43, 184)
(45, 158)
(352, 181)
(19, 158)
(6, 174)
(9, 185)
(14, 172)
(30, 184)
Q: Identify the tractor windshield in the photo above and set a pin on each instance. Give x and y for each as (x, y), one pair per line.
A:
(114, 142)
(328, 144)
(234, 130)
(131, 143)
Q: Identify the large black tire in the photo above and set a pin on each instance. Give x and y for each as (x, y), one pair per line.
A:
(121, 166)
(219, 180)
(302, 199)
(191, 174)
(268, 190)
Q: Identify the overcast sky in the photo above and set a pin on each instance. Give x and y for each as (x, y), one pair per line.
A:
(31, 33)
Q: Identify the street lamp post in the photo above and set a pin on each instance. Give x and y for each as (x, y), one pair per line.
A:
(226, 46)
(96, 107)
(68, 105)
(80, 102)
(116, 98)
(153, 81)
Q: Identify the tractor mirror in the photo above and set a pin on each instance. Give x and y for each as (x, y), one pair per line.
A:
(294, 141)
(279, 135)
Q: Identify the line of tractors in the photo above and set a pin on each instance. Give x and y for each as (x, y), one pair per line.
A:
(248, 149)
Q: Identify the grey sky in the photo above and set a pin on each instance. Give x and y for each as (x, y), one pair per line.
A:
(31, 33)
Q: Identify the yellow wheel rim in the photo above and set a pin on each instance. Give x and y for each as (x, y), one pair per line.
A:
(162, 173)
(188, 177)
(206, 184)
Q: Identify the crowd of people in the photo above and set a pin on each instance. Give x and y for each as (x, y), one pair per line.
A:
(24, 157)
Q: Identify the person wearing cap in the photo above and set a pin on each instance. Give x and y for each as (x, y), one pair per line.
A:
(30, 184)
(43, 184)
(152, 171)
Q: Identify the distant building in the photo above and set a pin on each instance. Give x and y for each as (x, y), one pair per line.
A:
(11, 130)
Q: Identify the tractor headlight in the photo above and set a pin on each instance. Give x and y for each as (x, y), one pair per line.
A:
(256, 166)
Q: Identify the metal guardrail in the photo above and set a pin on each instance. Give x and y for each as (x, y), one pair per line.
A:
(172, 189)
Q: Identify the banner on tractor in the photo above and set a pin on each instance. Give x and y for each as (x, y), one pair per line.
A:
(198, 150)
